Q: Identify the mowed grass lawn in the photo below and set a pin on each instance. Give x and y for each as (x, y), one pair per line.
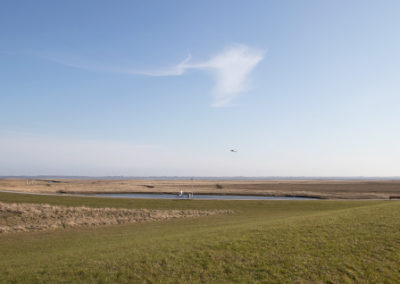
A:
(263, 241)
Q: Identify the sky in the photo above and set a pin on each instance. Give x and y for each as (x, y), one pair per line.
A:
(167, 88)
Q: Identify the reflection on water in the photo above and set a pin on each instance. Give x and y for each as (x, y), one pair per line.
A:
(202, 196)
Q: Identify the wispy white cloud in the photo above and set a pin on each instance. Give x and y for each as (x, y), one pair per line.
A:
(230, 68)
(176, 70)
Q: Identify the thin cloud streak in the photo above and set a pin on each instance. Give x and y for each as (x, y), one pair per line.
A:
(230, 69)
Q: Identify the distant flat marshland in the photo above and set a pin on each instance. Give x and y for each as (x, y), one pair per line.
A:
(325, 189)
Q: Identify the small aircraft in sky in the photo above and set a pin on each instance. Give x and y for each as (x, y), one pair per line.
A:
(234, 151)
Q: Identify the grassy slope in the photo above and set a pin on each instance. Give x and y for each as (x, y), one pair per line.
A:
(281, 241)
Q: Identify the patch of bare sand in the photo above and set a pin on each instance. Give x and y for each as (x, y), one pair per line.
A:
(24, 217)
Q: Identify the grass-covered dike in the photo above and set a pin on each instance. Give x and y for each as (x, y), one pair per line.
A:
(262, 241)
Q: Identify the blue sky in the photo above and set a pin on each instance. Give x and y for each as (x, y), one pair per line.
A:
(300, 88)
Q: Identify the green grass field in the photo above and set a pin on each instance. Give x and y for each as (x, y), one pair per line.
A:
(263, 241)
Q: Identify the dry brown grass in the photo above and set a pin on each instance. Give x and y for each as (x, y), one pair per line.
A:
(348, 189)
(22, 217)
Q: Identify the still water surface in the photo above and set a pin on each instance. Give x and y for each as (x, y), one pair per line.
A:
(202, 196)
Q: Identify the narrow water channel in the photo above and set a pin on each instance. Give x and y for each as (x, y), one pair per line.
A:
(202, 196)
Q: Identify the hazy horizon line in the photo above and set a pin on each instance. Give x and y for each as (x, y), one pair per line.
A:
(208, 177)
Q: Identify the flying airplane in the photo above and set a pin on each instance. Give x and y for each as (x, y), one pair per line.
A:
(234, 151)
